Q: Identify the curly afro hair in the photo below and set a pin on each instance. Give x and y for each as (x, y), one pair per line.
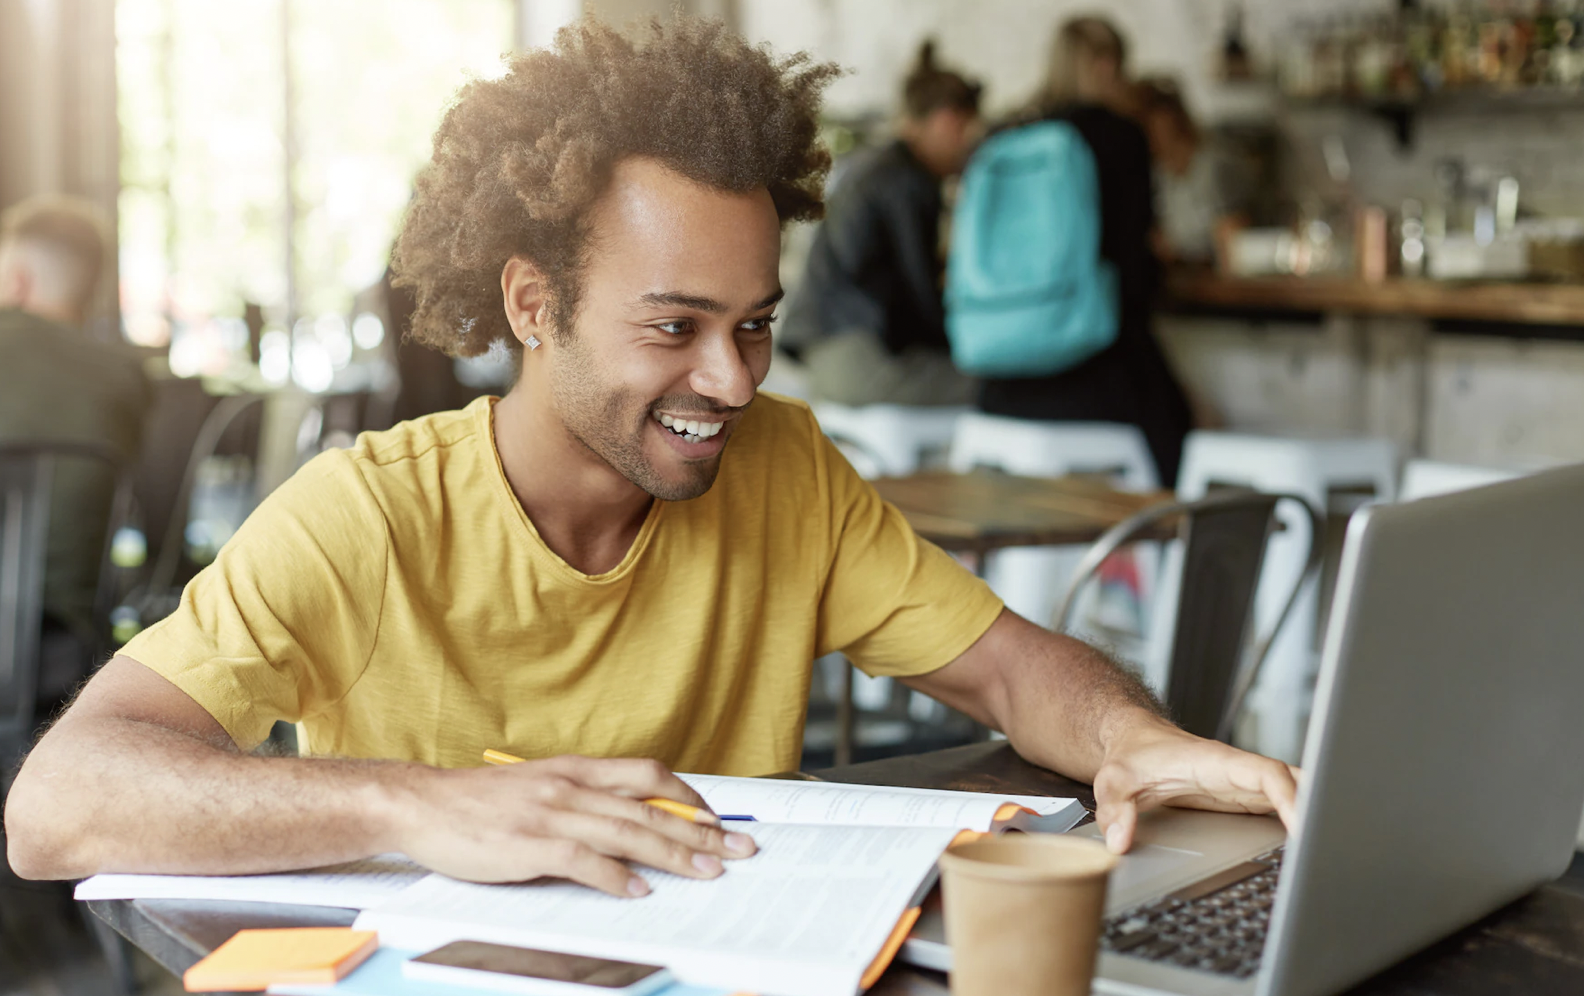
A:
(519, 160)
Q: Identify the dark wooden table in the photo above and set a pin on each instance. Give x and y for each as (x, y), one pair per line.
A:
(983, 511)
(1534, 947)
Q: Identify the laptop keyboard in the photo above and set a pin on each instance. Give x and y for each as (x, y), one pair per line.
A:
(1217, 924)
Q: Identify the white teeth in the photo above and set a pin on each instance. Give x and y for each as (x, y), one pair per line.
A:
(691, 430)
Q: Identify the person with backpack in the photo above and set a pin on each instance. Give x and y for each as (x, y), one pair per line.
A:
(1051, 276)
(867, 320)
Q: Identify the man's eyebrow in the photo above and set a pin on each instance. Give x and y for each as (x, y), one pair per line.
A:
(696, 302)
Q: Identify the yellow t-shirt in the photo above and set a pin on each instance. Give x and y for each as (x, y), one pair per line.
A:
(395, 601)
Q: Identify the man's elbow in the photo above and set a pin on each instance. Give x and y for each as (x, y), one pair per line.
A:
(42, 840)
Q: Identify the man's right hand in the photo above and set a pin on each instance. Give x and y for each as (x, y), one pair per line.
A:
(138, 777)
(577, 818)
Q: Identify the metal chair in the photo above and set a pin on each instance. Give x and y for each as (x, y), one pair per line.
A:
(27, 473)
(1224, 538)
(158, 596)
(27, 476)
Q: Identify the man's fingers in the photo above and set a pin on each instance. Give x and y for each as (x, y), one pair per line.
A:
(1116, 807)
(1280, 784)
(630, 841)
(1119, 819)
(698, 837)
(582, 863)
(637, 778)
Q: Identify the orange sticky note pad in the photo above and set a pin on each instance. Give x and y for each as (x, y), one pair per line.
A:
(253, 960)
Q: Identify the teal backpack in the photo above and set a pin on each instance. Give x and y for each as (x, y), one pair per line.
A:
(1027, 294)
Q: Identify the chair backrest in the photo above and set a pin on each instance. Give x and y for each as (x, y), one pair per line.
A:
(226, 413)
(1224, 538)
(27, 472)
(1037, 448)
(893, 440)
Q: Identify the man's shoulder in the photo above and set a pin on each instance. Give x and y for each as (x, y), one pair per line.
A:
(428, 439)
(399, 476)
(406, 468)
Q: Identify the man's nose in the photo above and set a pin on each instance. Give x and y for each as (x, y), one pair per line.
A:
(721, 372)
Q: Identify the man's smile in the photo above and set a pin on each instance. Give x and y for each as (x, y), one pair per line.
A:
(693, 429)
(694, 437)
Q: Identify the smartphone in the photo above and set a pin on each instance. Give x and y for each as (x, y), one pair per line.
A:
(535, 973)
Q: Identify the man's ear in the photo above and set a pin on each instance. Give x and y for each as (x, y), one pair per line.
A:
(527, 296)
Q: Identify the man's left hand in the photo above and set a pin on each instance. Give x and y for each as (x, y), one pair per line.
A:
(1152, 763)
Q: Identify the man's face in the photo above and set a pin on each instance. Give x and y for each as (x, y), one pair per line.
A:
(672, 334)
(952, 134)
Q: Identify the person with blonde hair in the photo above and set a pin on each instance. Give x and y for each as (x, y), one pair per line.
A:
(1129, 381)
(58, 384)
(1088, 65)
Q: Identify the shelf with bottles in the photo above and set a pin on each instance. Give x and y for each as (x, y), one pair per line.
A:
(1468, 57)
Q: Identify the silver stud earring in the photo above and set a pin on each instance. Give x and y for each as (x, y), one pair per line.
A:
(532, 342)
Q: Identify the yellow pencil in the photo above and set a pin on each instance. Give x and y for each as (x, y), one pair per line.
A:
(671, 806)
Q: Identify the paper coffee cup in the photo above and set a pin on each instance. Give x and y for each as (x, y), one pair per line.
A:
(1023, 914)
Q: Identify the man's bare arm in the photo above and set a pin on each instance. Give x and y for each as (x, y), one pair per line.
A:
(1068, 707)
(137, 777)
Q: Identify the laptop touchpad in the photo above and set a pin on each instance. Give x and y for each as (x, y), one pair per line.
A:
(1147, 862)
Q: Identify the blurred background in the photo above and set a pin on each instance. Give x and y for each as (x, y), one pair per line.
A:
(1367, 245)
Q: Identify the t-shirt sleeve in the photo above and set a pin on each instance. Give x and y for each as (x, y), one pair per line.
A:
(893, 602)
(283, 622)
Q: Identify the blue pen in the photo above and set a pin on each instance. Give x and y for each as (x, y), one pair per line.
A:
(741, 819)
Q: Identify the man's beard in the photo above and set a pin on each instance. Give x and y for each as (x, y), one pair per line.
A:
(612, 426)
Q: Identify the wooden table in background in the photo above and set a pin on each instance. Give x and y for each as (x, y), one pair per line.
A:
(983, 511)
(1533, 947)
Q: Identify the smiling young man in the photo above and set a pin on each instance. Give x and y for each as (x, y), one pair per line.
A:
(621, 569)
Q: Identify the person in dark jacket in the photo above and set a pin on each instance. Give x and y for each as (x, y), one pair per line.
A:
(868, 320)
(1130, 381)
(60, 384)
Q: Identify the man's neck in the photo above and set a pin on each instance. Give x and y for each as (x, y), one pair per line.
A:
(586, 512)
(919, 149)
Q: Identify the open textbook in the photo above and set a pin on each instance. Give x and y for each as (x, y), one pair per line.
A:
(355, 885)
(806, 916)
(820, 909)
(775, 800)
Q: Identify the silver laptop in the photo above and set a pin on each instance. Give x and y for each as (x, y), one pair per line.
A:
(1453, 670)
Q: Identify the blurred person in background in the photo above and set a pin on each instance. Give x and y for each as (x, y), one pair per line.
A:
(868, 320)
(58, 384)
(1130, 381)
(1184, 179)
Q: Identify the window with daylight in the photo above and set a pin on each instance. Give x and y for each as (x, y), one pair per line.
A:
(268, 149)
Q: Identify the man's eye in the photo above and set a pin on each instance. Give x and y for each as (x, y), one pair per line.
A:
(675, 328)
(758, 324)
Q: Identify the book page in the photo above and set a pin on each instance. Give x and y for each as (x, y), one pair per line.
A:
(777, 801)
(355, 885)
(803, 917)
